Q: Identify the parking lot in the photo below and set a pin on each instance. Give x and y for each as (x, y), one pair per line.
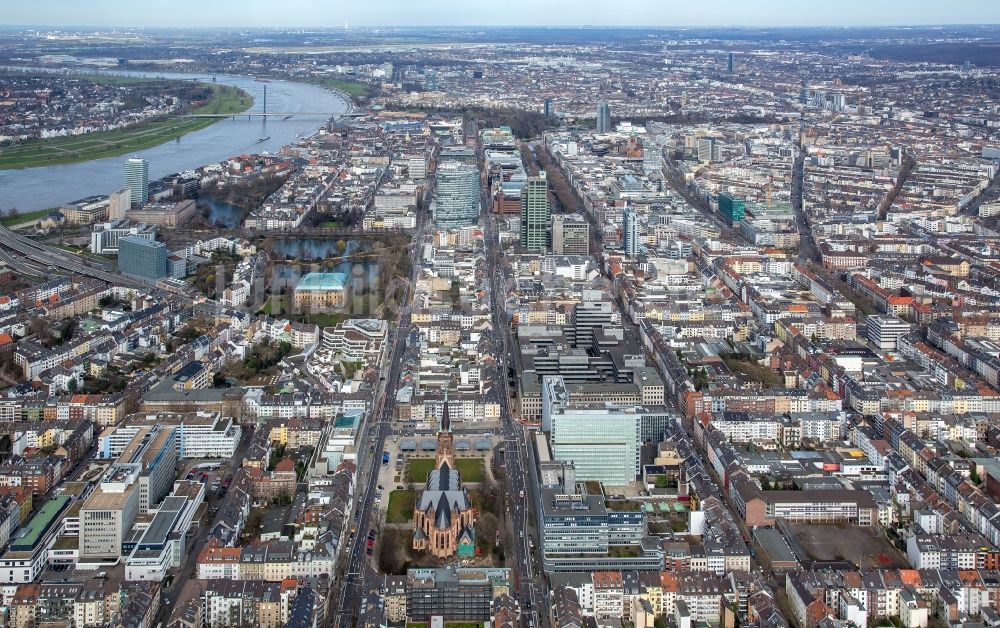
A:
(207, 472)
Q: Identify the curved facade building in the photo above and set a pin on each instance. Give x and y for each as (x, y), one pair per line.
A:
(456, 203)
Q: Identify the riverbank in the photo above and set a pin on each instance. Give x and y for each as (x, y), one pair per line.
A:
(67, 150)
(36, 188)
(27, 219)
(354, 94)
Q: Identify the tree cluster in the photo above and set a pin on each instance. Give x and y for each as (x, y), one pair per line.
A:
(391, 553)
(523, 124)
(568, 201)
(263, 356)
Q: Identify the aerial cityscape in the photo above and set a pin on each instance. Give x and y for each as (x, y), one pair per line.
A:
(537, 315)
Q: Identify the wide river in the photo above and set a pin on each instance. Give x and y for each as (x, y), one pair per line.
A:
(40, 188)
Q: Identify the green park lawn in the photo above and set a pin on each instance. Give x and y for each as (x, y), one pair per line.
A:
(471, 469)
(400, 508)
(25, 217)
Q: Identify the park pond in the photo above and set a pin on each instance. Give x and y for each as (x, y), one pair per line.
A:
(312, 249)
(221, 214)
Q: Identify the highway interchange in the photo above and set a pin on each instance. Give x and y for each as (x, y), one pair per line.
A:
(54, 258)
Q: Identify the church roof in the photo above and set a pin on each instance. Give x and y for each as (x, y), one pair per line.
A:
(443, 479)
(442, 518)
(466, 536)
(430, 502)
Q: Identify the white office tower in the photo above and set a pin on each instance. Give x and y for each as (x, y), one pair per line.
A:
(630, 228)
(137, 179)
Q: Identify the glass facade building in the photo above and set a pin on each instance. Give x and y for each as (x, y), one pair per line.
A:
(143, 258)
(602, 443)
(734, 209)
(630, 232)
(456, 203)
(603, 118)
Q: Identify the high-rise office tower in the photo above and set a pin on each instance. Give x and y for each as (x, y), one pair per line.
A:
(594, 312)
(603, 118)
(548, 110)
(456, 203)
(732, 62)
(631, 232)
(570, 235)
(141, 257)
(838, 102)
(705, 145)
(603, 443)
(137, 179)
(536, 213)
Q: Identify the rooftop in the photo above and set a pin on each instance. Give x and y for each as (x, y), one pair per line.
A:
(322, 281)
(39, 524)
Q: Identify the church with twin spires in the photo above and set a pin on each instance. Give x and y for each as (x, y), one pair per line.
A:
(444, 519)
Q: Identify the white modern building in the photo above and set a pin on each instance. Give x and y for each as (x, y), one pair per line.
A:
(602, 442)
(884, 332)
(201, 434)
(137, 180)
(105, 236)
(357, 339)
(163, 542)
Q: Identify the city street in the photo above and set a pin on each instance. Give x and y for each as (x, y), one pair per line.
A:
(515, 455)
(361, 579)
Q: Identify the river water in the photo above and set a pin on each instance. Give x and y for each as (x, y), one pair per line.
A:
(40, 188)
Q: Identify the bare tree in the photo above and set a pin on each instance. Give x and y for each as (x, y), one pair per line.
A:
(390, 551)
(486, 530)
(507, 542)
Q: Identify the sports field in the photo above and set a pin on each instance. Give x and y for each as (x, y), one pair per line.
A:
(66, 150)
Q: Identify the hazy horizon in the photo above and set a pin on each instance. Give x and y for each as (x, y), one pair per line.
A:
(516, 13)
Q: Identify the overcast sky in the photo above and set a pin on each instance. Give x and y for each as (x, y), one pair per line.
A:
(334, 13)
